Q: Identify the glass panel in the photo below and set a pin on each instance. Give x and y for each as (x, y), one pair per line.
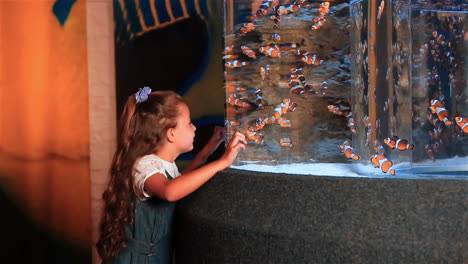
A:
(439, 86)
(287, 74)
(410, 87)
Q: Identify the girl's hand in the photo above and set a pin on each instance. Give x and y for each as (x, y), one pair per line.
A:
(219, 135)
(237, 143)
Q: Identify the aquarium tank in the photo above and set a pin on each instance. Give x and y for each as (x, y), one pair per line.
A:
(410, 86)
(345, 88)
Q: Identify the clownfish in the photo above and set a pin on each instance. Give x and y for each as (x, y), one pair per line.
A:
(462, 123)
(247, 51)
(348, 151)
(302, 52)
(252, 135)
(283, 108)
(335, 109)
(246, 27)
(236, 100)
(398, 143)
(276, 20)
(270, 120)
(275, 37)
(351, 125)
(228, 49)
(311, 59)
(288, 46)
(265, 72)
(379, 149)
(429, 149)
(230, 125)
(236, 64)
(319, 24)
(380, 11)
(295, 72)
(271, 51)
(324, 86)
(233, 123)
(284, 122)
(233, 89)
(285, 142)
(438, 107)
(293, 82)
(258, 99)
(297, 89)
(439, 38)
(286, 10)
(229, 57)
(323, 9)
(380, 161)
(258, 125)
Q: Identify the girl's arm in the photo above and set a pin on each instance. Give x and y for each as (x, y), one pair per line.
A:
(178, 188)
(200, 159)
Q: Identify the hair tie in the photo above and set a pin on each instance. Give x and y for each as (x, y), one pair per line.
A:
(142, 94)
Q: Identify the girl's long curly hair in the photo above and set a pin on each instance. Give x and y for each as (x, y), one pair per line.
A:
(142, 131)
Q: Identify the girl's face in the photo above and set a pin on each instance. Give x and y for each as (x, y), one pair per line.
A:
(184, 132)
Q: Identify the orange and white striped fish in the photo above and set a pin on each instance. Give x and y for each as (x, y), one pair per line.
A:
(276, 20)
(297, 89)
(348, 151)
(283, 108)
(249, 52)
(256, 137)
(323, 10)
(462, 123)
(247, 27)
(380, 161)
(288, 46)
(236, 100)
(295, 72)
(323, 86)
(285, 142)
(265, 72)
(228, 49)
(275, 37)
(335, 109)
(272, 51)
(230, 57)
(284, 122)
(258, 99)
(234, 89)
(438, 107)
(430, 152)
(311, 59)
(352, 125)
(230, 125)
(319, 24)
(236, 64)
(378, 148)
(380, 11)
(286, 10)
(398, 143)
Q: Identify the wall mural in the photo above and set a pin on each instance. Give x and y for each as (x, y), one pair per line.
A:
(172, 45)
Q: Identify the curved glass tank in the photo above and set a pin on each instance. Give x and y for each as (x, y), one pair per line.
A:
(410, 86)
(325, 88)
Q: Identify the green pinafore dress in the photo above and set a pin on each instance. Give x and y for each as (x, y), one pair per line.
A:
(150, 236)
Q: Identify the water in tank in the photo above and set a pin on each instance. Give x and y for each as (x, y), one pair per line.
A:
(410, 87)
(288, 83)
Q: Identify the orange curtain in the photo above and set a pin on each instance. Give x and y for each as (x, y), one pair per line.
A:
(44, 123)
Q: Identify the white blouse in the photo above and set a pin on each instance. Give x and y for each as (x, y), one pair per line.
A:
(147, 166)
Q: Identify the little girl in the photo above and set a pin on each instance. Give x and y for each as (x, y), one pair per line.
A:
(154, 129)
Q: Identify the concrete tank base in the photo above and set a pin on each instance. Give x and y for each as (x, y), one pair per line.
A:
(255, 217)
